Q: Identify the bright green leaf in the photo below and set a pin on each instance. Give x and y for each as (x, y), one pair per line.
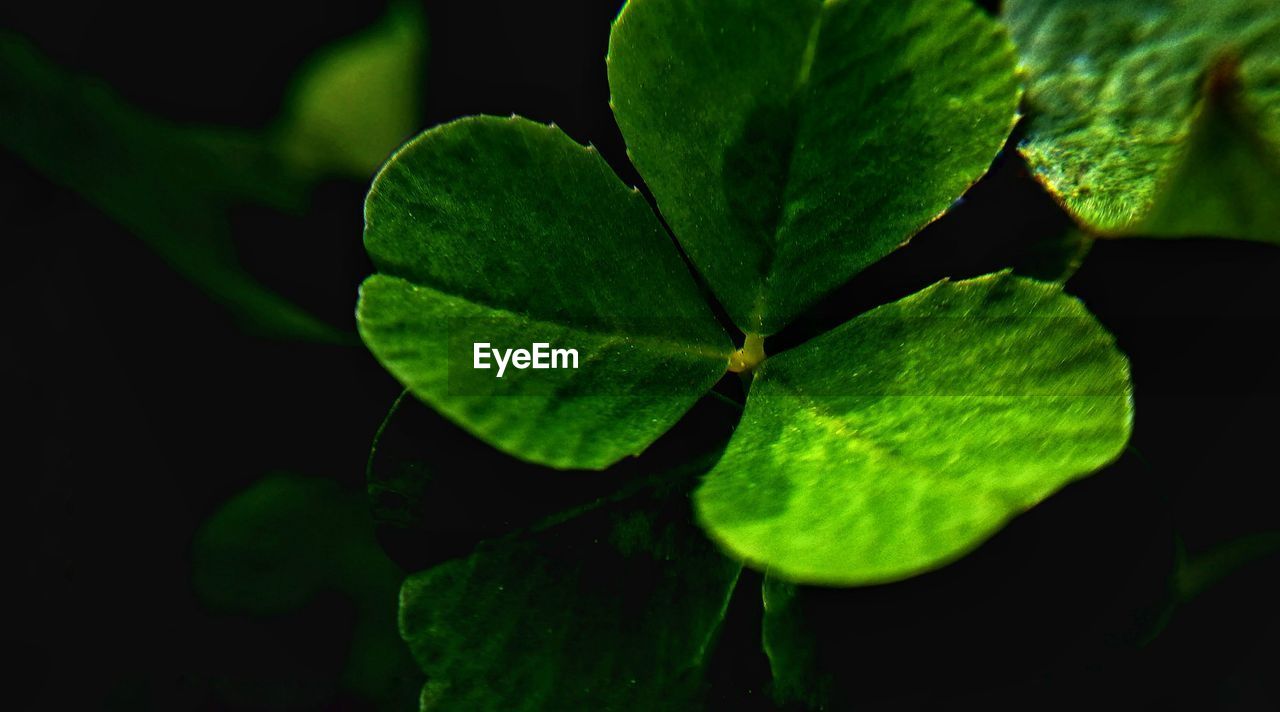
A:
(615, 609)
(907, 436)
(1156, 117)
(506, 232)
(792, 144)
(356, 101)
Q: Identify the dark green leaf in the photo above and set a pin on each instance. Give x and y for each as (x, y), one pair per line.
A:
(287, 539)
(788, 639)
(1200, 572)
(169, 185)
(1154, 117)
(615, 609)
(792, 144)
(431, 486)
(1054, 259)
(904, 438)
(507, 232)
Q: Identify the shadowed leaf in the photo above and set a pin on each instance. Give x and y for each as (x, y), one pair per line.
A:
(286, 540)
(613, 609)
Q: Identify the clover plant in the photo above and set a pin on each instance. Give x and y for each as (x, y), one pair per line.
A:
(1155, 117)
(788, 146)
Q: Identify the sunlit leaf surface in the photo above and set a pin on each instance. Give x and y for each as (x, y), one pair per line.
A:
(904, 438)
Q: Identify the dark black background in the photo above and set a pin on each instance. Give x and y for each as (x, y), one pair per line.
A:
(137, 406)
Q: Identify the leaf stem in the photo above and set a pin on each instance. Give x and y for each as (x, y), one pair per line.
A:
(382, 427)
(751, 355)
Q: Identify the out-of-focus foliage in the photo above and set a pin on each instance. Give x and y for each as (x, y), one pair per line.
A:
(357, 100)
(174, 185)
(1198, 573)
(275, 547)
(169, 185)
(1055, 259)
(1155, 117)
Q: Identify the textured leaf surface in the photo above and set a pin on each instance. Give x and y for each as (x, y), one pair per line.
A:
(1156, 117)
(507, 232)
(615, 609)
(905, 437)
(791, 144)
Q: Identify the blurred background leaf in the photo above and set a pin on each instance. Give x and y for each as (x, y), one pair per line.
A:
(175, 186)
(1197, 573)
(1155, 118)
(280, 545)
(353, 103)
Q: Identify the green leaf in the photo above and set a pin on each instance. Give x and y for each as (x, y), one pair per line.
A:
(359, 99)
(792, 144)
(788, 637)
(1056, 258)
(280, 543)
(615, 609)
(169, 185)
(1197, 574)
(506, 232)
(1155, 117)
(904, 438)
(431, 485)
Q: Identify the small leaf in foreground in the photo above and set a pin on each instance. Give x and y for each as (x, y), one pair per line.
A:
(506, 232)
(615, 609)
(904, 438)
(792, 144)
(1155, 118)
